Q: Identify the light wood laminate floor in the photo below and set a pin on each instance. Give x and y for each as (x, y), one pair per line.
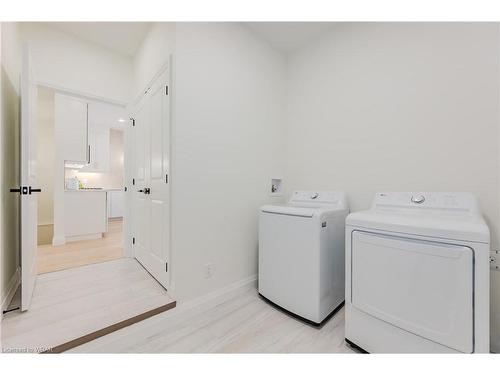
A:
(241, 322)
(79, 253)
(80, 301)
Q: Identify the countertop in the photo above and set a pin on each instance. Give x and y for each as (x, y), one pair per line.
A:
(103, 190)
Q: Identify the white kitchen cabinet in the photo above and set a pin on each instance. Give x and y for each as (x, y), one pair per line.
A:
(84, 137)
(85, 214)
(98, 149)
(71, 116)
(116, 203)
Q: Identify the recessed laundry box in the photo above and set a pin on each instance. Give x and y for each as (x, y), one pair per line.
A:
(301, 254)
(417, 275)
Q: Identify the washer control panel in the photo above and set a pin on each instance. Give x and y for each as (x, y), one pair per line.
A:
(311, 197)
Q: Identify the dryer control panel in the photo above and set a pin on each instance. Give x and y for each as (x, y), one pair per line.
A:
(464, 202)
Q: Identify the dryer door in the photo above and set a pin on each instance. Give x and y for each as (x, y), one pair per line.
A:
(423, 287)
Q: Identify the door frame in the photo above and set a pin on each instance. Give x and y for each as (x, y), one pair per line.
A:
(128, 228)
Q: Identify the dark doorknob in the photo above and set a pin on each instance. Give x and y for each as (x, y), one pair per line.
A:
(23, 190)
(147, 191)
(34, 190)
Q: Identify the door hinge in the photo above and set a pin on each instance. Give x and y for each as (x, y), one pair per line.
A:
(166, 178)
(133, 121)
(166, 267)
(133, 240)
(166, 90)
(133, 181)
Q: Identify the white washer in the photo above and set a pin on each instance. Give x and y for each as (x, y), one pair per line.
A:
(417, 275)
(301, 254)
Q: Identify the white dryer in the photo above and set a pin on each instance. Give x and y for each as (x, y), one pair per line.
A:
(417, 275)
(301, 254)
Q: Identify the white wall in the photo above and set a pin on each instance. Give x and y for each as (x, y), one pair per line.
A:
(10, 71)
(153, 53)
(67, 61)
(227, 134)
(398, 107)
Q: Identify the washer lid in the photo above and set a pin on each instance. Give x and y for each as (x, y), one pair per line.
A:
(309, 203)
(441, 215)
(289, 210)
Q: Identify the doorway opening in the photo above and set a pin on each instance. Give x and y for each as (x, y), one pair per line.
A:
(81, 203)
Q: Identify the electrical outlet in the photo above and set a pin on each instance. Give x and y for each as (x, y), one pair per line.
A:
(495, 260)
(208, 270)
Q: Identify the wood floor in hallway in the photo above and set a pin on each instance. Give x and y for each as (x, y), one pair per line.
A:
(81, 253)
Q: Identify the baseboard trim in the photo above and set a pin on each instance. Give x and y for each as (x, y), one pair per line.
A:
(84, 237)
(206, 298)
(58, 240)
(45, 225)
(14, 283)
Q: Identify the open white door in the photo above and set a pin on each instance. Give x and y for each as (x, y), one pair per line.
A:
(28, 188)
(151, 192)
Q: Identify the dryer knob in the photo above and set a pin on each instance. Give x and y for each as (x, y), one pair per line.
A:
(418, 199)
(314, 196)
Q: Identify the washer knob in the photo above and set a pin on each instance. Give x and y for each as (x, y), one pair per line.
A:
(314, 196)
(418, 199)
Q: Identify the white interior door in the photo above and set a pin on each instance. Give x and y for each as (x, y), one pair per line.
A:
(29, 201)
(151, 190)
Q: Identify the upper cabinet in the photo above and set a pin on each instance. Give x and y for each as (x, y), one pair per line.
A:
(98, 139)
(71, 116)
(98, 149)
(83, 131)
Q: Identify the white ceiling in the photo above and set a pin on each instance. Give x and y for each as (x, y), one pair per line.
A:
(289, 36)
(122, 37)
(126, 37)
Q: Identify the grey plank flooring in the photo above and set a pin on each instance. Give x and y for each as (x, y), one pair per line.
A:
(240, 322)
